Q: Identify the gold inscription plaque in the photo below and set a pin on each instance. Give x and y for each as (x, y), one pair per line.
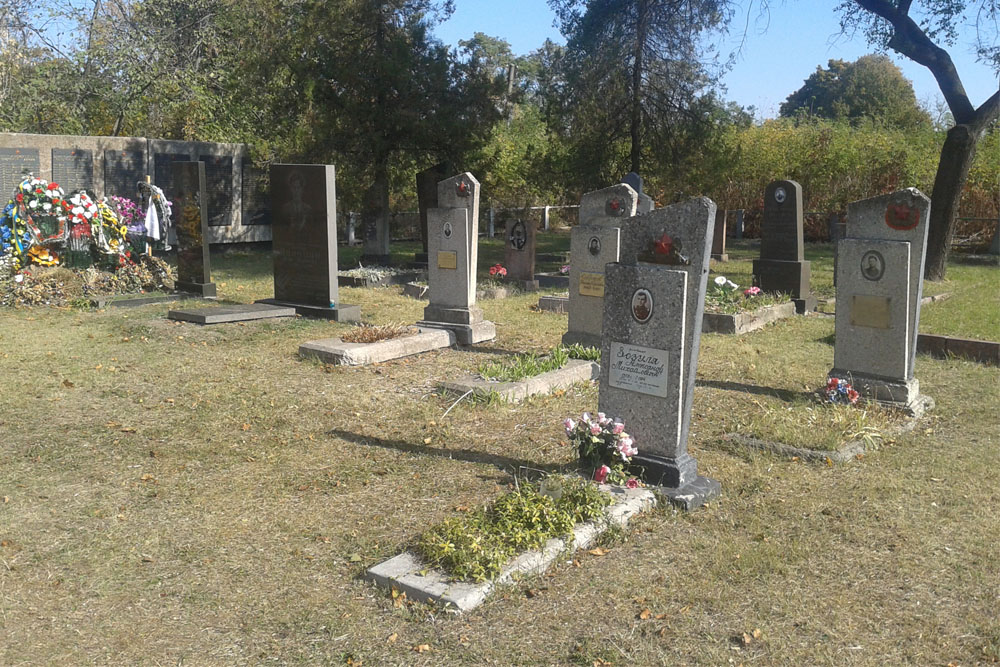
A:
(447, 259)
(592, 284)
(870, 311)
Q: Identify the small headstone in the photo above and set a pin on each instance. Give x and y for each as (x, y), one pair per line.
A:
(453, 253)
(645, 203)
(304, 231)
(782, 266)
(995, 246)
(194, 270)
(719, 237)
(653, 310)
(519, 255)
(427, 182)
(836, 229)
(879, 286)
(375, 226)
(73, 169)
(608, 206)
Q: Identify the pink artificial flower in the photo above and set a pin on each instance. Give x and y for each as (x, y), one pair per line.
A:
(753, 291)
(601, 474)
(595, 429)
(570, 425)
(618, 428)
(625, 446)
(632, 483)
(852, 396)
(564, 268)
(586, 417)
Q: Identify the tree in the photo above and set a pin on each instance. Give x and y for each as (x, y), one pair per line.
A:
(638, 61)
(889, 23)
(870, 87)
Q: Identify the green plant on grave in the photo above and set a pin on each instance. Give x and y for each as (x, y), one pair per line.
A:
(477, 546)
(577, 351)
(520, 366)
(725, 296)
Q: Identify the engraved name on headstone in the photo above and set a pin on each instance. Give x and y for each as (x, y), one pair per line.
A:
(254, 194)
(73, 169)
(163, 175)
(15, 164)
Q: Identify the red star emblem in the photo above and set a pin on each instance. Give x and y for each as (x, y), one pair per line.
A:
(615, 204)
(664, 245)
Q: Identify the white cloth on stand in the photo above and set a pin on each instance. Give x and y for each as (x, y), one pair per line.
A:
(152, 222)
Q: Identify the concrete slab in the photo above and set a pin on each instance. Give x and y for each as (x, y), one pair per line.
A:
(740, 323)
(336, 351)
(237, 313)
(554, 304)
(575, 370)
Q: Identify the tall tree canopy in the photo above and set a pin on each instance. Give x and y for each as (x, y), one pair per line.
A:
(870, 87)
(917, 30)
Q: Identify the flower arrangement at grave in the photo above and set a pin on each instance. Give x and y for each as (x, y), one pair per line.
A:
(839, 390)
(725, 296)
(564, 269)
(604, 447)
(497, 275)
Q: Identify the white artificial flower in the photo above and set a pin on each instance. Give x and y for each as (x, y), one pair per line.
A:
(34, 203)
(720, 281)
(731, 285)
(19, 278)
(46, 206)
(75, 199)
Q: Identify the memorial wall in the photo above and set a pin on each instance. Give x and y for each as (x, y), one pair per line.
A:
(237, 196)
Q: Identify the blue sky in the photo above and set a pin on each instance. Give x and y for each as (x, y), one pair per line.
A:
(779, 52)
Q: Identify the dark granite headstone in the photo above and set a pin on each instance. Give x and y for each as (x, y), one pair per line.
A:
(427, 181)
(635, 180)
(719, 237)
(163, 176)
(254, 196)
(519, 256)
(122, 170)
(15, 163)
(304, 233)
(190, 222)
(734, 223)
(73, 169)
(782, 267)
(837, 230)
(219, 179)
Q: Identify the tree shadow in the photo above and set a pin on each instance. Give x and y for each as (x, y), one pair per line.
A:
(507, 464)
(787, 395)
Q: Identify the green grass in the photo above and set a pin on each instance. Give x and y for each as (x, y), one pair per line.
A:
(517, 367)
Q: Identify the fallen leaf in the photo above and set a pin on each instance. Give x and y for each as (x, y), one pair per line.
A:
(598, 551)
(756, 633)
(68, 384)
(427, 441)
(6, 499)
(356, 558)
(645, 614)
(246, 427)
(422, 648)
(147, 478)
(128, 429)
(391, 639)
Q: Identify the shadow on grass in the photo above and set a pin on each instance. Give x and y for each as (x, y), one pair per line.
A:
(784, 394)
(505, 463)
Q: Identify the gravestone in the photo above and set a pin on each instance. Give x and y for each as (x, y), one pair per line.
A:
(719, 237)
(194, 269)
(254, 194)
(15, 164)
(995, 246)
(375, 226)
(304, 231)
(646, 203)
(163, 175)
(593, 244)
(653, 309)
(519, 255)
(879, 286)
(734, 222)
(782, 266)
(836, 229)
(219, 179)
(73, 169)
(122, 170)
(452, 250)
(427, 182)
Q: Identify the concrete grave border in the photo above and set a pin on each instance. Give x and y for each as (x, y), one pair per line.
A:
(554, 303)
(337, 352)
(740, 323)
(575, 370)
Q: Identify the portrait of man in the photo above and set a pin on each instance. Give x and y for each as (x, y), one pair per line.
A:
(642, 305)
(872, 265)
(446, 230)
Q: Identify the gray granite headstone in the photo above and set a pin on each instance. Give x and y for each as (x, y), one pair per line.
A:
(782, 266)
(608, 205)
(304, 228)
(15, 164)
(734, 222)
(653, 308)
(238, 313)
(880, 269)
(194, 271)
(995, 246)
(592, 247)
(73, 169)
(219, 180)
(122, 170)
(645, 203)
(519, 254)
(453, 252)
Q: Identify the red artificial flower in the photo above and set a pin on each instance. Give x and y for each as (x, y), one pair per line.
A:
(39, 191)
(664, 245)
(53, 186)
(20, 197)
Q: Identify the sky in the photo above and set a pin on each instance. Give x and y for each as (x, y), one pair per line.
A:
(779, 52)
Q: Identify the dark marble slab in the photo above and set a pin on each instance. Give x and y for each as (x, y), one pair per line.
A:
(73, 169)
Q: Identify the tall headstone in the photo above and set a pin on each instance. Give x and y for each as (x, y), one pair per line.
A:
(375, 225)
(880, 270)
(593, 244)
(453, 254)
(719, 237)
(427, 182)
(304, 228)
(653, 310)
(519, 254)
(782, 266)
(734, 223)
(836, 229)
(194, 269)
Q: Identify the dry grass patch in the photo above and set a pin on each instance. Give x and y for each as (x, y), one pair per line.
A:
(372, 333)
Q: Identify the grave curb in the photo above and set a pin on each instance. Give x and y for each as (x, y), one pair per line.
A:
(741, 323)
(337, 352)
(409, 574)
(942, 347)
(575, 370)
(554, 303)
(390, 279)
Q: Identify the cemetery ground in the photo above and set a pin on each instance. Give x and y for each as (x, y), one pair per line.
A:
(200, 495)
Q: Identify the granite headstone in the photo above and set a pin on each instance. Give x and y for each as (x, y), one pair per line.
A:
(219, 180)
(782, 266)
(427, 182)
(15, 164)
(519, 254)
(719, 237)
(194, 271)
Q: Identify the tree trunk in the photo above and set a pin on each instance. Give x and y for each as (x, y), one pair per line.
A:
(635, 124)
(953, 170)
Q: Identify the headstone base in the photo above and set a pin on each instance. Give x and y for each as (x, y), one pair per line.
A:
(554, 304)
(466, 334)
(901, 394)
(806, 305)
(345, 312)
(667, 472)
(223, 314)
(774, 275)
(694, 495)
(204, 290)
(724, 257)
(472, 315)
(525, 285)
(375, 260)
(583, 338)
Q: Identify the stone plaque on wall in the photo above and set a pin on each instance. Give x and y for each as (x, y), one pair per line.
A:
(122, 170)
(14, 162)
(163, 176)
(253, 187)
(73, 168)
(219, 179)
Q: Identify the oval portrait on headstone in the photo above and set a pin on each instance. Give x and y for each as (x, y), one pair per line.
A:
(642, 305)
(518, 235)
(594, 245)
(446, 230)
(780, 195)
(872, 265)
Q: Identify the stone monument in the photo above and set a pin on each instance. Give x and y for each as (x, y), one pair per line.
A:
(453, 253)
(304, 226)
(375, 226)
(782, 267)
(194, 270)
(593, 244)
(880, 270)
(653, 310)
(646, 203)
(719, 237)
(519, 255)
(427, 182)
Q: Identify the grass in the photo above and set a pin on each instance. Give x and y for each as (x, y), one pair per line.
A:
(516, 367)
(372, 333)
(183, 494)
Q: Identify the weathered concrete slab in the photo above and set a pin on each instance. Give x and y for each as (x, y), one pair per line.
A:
(238, 313)
(575, 370)
(554, 303)
(740, 323)
(336, 351)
